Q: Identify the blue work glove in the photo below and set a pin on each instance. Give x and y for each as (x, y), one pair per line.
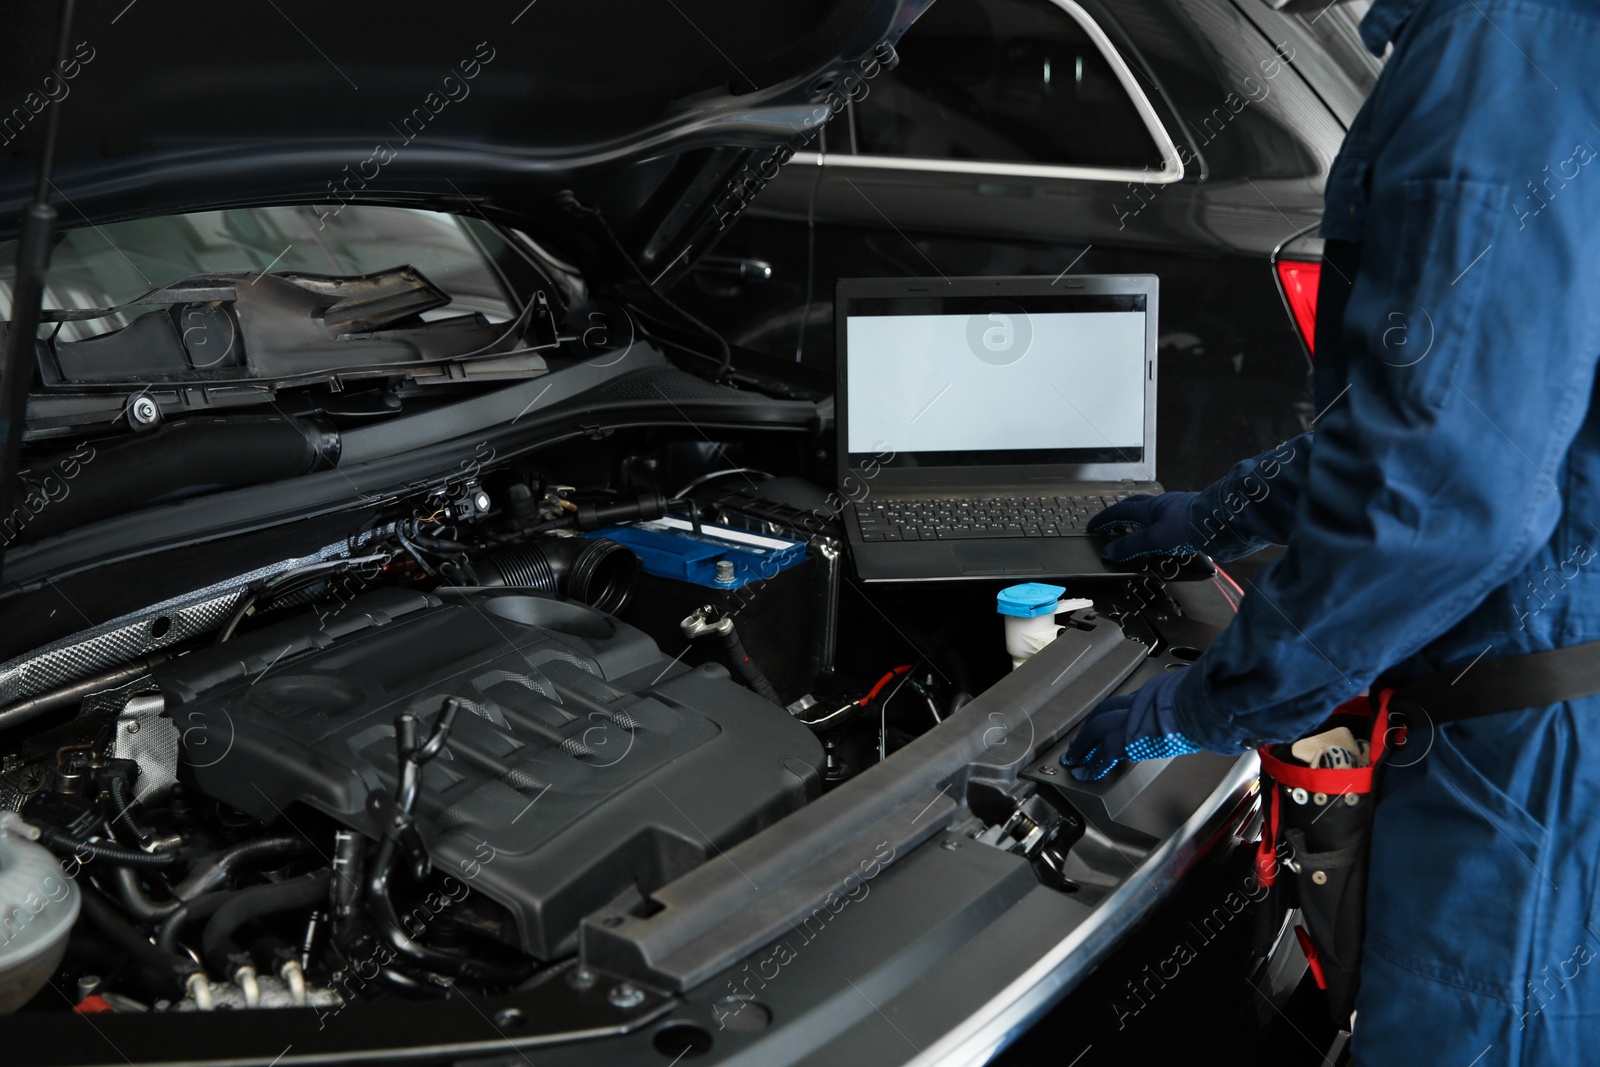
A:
(1145, 525)
(1136, 726)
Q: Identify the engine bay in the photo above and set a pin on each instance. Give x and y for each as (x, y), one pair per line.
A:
(441, 743)
(478, 744)
(586, 754)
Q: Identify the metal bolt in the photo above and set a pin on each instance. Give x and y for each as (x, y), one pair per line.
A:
(144, 411)
(626, 996)
(1319, 799)
(582, 978)
(1047, 769)
(506, 1018)
(725, 575)
(1320, 877)
(1352, 799)
(949, 845)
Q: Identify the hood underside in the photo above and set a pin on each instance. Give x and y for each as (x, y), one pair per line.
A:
(660, 116)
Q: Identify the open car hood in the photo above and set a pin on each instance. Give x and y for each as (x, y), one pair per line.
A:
(665, 118)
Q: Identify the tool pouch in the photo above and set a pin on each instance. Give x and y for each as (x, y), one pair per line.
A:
(1315, 844)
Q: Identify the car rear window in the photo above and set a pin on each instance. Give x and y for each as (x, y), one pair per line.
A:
(1004, 81)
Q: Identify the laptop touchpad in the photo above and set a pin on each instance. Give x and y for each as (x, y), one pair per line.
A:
(1008, 558)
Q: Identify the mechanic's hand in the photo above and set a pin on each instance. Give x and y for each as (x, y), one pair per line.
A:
(1136, 726)
(1145, 525)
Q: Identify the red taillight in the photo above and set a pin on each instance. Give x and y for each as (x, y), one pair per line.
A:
(1300, 279)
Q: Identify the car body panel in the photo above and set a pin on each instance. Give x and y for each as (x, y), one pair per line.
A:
(302, 102)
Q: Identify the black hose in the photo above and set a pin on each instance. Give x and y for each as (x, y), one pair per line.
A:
(211, 872)
(171, 966)
(591, 515)
(257, 902)
(753, 675)
(592, 570)
(415, 553)
(122, 806)
(276, 592)
(456, 568)
(61, 841)
(136, 901)
(251, 599)
(187, 457)
(196, 910)
(203, 879)
(238, 614)
(442, 545)
(392, 929)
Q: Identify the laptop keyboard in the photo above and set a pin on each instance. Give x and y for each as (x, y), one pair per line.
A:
(969, 518)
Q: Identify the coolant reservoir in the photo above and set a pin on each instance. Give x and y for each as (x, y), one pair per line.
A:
(38, 905)
(1030, 611)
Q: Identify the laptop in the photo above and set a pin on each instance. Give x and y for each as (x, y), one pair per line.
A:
(982, 422)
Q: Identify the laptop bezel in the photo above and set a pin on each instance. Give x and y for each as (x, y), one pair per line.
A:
(1019, 289)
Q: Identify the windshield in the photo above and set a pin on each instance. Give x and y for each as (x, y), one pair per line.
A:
(101, 266)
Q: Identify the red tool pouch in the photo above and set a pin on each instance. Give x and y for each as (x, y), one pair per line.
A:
(1314, 845)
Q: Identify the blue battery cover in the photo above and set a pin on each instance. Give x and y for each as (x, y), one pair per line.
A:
(671, 547)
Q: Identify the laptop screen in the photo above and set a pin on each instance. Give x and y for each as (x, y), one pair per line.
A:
(963, 381)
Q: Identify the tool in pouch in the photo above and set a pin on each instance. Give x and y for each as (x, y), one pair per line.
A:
(1320, 794)
(1318, 852)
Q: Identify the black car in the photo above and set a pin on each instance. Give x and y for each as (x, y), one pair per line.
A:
(1038, 137)
(425, 628)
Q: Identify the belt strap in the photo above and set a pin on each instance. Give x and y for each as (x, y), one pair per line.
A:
(1528, 680)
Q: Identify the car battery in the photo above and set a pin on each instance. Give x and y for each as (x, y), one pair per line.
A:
(763, 582)
(819, 528)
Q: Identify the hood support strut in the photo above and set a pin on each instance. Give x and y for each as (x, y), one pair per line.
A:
(27, 298)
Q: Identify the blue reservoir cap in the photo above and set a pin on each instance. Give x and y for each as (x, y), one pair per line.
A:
(1029, 600)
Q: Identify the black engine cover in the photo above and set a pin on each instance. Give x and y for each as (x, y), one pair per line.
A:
(591, 771)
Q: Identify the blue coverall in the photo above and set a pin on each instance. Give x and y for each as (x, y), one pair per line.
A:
(1443, 514)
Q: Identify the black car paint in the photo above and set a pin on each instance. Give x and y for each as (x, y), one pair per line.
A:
(539, 115)
(1234, 371)
(1034, 253)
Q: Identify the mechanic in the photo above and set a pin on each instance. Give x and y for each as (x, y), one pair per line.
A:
(1441, 518)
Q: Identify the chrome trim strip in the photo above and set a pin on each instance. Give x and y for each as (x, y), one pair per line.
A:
(1172, 169)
